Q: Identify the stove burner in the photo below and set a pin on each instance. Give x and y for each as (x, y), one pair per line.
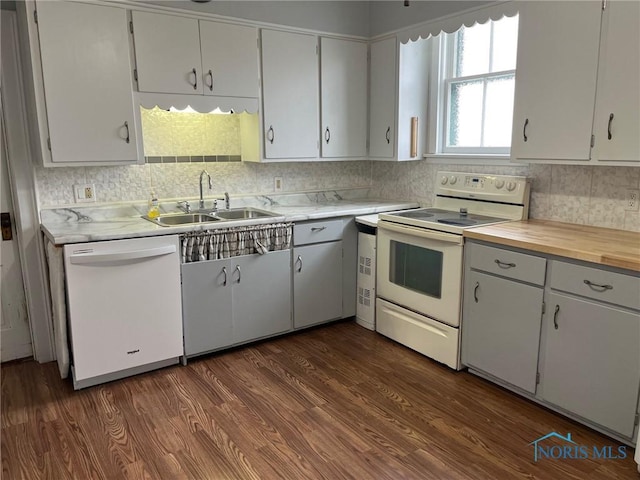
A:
(463, 222)
(416, 214)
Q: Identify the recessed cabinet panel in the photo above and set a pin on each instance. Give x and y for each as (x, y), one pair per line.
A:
(617, 117)
(382, 103)
(591, 361)
(290, 94)
(501, 328)
(229, 59)
(344, 98)
(87, 83)
(167, 53)
(555, 80)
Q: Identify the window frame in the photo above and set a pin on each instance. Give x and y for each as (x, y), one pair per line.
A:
(441, 75)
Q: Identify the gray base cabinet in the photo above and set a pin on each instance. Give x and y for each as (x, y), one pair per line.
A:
(583, 351)
(232, 301)
(317, 283)
(591, 361)
(502, 328)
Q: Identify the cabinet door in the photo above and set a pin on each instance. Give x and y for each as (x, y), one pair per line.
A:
(555, 80)
(206, 306)
(317, 283)
(501, 328)
(167, 53)
(382, 101)
(229, 59)
(617, 118)
(290, 94)
(87, 82)
(592, 361)
(261, 295)
(344, 98)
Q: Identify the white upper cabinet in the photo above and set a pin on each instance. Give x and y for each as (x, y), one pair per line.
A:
(86, 70)
(290, 95)
(555, 80)
(343, 65)
(229, 59)
(188, 56)
(382, 125)
(167, 53)
(398, 100)
(617, 117)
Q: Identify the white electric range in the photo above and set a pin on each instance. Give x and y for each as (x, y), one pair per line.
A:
(420, 258)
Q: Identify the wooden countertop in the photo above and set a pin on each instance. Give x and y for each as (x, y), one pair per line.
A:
(606, 246)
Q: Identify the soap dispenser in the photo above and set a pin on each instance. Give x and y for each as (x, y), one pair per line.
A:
(154, 209)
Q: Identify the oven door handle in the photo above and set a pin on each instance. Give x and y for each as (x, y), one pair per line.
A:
(418, 232)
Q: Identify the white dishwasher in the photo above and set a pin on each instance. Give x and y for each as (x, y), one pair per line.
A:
(124, 307)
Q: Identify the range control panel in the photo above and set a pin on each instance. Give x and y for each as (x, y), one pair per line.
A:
(509, 188)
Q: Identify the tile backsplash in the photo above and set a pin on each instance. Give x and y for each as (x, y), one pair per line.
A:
(576, 194)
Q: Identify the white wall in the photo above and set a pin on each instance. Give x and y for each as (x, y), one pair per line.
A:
(343, 17)
(386, 16)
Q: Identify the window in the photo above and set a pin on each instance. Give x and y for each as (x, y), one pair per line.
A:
(477, 78)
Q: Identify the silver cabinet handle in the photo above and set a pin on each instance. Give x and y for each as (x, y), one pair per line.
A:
(524, 130)
(555, 317)
(597, 287)
(318, 229)
(299, 260)
(504, 264)
(609, 136)
(388, 135)
(270, 135)
(475, 292)
(224, 271)
(239, 273)
(195, 78)
(327, 135)
(126, 127)
(210, 85)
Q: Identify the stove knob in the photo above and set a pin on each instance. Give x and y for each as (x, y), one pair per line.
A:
(444, 180)
(499, 183)
(453, 179)
(511, 186)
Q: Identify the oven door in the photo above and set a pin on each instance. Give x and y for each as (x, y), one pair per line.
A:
(420, 270)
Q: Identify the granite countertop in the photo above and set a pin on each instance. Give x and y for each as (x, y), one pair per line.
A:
(604, 246)
(76, 224)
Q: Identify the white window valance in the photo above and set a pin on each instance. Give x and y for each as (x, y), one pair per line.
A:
(200, 103)
(453, 23)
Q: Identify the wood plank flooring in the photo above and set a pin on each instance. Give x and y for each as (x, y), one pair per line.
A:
(336, 402)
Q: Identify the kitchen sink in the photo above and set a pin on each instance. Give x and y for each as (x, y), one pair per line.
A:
(171, 219)
(243, 213)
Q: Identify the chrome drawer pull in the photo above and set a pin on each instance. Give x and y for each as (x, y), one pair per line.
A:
(224, 271)
(505, 264)
(475, 292)
(299, 260)
(597, 287)
(555, 317)
(239, 273)
(318, 229)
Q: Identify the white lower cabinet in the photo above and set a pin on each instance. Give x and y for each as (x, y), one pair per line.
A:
(232, 301)
(317, 283)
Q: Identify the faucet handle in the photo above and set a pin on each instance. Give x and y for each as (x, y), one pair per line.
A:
(227, 203)
(185, 206)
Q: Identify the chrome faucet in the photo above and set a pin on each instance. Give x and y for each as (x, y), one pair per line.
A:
(204, 172)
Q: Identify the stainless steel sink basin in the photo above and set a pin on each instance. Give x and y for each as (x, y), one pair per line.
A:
(243, 213)
(171, 219)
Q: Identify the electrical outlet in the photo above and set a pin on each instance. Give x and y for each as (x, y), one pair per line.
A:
(277, 184)
(84, 193)
(631, 200)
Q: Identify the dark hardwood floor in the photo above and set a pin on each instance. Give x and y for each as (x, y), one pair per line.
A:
(333, 402)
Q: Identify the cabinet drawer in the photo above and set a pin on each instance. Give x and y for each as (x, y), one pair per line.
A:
(506, 263)
(595, 283)
(316, 232)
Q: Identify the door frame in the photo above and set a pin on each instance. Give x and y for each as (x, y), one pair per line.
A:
(20, 163)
